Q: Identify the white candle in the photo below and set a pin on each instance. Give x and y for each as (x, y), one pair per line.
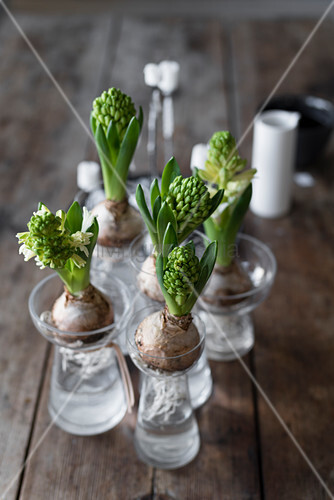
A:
(198, 156)
(274, 149)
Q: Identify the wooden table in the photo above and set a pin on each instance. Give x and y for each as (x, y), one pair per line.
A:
(226, 70)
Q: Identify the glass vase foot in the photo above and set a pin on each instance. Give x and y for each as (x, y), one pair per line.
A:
(228, 337)
(86, 392)
(166, 434)
(87, 395)
(168, 450)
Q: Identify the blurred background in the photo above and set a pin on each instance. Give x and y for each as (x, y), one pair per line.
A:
(227, 9)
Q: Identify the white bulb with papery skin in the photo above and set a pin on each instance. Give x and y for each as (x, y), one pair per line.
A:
(120, 231)
(147, 280)
(165, 344)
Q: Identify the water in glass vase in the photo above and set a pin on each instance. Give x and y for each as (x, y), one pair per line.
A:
(166, 433)
(86, 394)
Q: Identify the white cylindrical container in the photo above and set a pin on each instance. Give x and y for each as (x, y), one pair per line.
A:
(88, 175)
(169, 76)
(198, 157)
(274, 151)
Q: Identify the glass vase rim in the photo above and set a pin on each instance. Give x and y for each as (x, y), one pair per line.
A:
(266, 282)
(53, 328)
(157, 308)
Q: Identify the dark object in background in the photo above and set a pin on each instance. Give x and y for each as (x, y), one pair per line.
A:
(315, 125)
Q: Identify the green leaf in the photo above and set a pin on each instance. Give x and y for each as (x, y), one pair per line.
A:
(228, 233)
(165, 216)
(74, 218)
(208, 260)
(239, 212)
(154, 191)
(211, 229)
(215, 201)
(113, 141)
(207, 263)
(156, 209)
(41, 205)
(140, 117)
(171, 171)
(94, 228)
(172, 306)
(126, 152)
(141, 202)
(93, 124)
(168, 243)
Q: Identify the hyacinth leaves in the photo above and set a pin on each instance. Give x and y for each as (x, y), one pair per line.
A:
(181, 275)
(226, 233)
(225, 169)
(116, 131)
(184, 203)
(63, 242)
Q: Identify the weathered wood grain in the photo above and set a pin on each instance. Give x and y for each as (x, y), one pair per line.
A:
(294, 326)
(74, 467)
(227, 464)
(40, 143)
(63, 466)
(198, 48)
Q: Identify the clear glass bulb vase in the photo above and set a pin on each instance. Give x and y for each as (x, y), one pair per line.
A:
(199, 376)
(115, 259)
(87, 394)
(166, 433)
(229, 325)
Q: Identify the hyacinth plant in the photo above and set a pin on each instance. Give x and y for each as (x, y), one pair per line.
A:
(225, 169)
(185, 203)
(65, 242)
(182, 277)
(116, 131)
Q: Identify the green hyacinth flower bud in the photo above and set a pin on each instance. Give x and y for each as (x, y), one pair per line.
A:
(189, 199)
(48, 240)
(45, 223)
(223, 156)
(116, 106)
(181, 273)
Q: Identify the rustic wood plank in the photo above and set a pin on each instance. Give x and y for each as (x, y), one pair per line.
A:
(199, 48)
(294, 326)
(65, 466)
(40, 143)
(227, 464)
